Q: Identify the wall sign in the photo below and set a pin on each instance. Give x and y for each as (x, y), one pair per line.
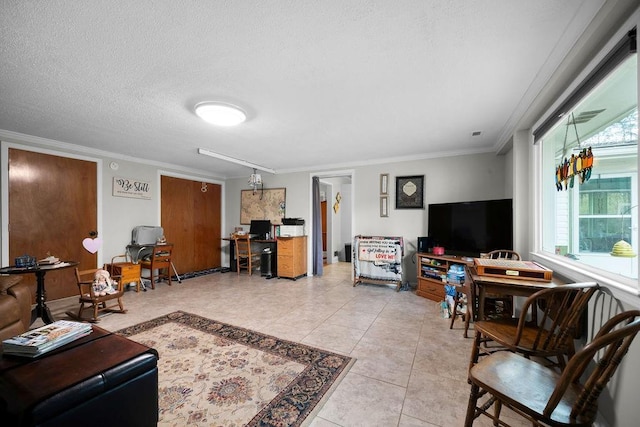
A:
(125, 187)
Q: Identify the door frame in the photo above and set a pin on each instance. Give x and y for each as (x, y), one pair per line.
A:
(4, 186)
(323, 175)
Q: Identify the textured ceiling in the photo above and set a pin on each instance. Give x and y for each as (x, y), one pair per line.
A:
(329, 83)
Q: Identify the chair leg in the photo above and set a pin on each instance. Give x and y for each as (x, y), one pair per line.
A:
(467, 320)
(471, 406)
(455, 311)
(475, 349)
(95, 312)
(497, 407)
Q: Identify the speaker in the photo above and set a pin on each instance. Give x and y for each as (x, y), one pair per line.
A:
(424, 244)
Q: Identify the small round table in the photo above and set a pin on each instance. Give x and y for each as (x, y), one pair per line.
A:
(40, 310)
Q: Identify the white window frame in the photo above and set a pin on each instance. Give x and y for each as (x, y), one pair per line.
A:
(575, 234)
(622, 288)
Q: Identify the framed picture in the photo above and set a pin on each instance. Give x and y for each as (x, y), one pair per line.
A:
(263, 204)
(384, 183)
(410, 192)
(384, 206)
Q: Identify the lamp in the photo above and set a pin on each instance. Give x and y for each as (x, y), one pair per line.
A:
(220, 114)
(622, 248)
(255, 180)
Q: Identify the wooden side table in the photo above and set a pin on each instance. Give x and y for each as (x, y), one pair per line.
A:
(128, 272)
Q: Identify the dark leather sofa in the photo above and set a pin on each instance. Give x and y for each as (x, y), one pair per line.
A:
(15, 306)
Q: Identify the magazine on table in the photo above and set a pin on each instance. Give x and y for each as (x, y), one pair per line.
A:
(45, 338)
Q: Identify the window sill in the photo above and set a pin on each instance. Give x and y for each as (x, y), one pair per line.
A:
(624, 289)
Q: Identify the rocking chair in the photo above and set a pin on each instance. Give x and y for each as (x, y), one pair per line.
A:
(89, 299)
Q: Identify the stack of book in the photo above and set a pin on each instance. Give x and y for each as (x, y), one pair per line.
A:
(41, 340)
(50, 260)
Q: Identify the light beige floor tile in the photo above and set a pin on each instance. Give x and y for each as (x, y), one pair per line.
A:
(362, 401)
(335, 338)
(410, 368)
(383, 363)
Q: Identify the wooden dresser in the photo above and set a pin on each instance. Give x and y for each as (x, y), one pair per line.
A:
(292, 257)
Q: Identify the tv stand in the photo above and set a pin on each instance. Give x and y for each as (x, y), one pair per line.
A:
(431, 270)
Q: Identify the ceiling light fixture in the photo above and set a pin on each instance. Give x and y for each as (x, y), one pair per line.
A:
(234, 160)
(220, 114)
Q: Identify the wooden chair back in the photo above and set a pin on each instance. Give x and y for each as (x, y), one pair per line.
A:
(610, 344)
(559, 399)
(159, 264)
(504, 254)
(244, 257)
(546, 326)
(559, 311)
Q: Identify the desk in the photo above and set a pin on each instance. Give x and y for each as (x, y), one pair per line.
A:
(40, 310)
(272, 243)
(482, 285)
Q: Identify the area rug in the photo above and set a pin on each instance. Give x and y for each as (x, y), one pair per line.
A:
(215, 374)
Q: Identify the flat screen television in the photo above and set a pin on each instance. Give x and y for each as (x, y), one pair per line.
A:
(470, 228)
(259, 228)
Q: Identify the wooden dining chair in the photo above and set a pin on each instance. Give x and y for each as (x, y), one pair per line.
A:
(463, 304)
(547, 336)
(245, 259)
(542, 395)
(158, 264)
(89, 299)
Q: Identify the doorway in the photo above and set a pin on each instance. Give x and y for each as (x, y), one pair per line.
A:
(336, 216)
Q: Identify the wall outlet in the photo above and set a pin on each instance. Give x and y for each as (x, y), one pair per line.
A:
(335, 253)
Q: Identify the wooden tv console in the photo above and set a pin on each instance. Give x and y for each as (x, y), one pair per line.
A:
(432, 273)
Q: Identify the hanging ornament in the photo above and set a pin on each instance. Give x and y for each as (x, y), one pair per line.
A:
(579, 165)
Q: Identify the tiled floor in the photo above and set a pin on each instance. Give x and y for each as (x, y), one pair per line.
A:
(410, 368)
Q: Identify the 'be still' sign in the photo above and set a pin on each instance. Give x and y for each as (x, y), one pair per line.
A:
(125, 187)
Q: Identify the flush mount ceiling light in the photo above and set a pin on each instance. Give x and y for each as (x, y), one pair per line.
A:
(220, 114)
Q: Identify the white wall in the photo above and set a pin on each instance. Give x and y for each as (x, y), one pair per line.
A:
(451, 179)
(117, 216)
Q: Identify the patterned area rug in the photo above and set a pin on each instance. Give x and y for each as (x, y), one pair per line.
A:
(215, 374)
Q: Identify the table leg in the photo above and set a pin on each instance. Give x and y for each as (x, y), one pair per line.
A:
(41, 310)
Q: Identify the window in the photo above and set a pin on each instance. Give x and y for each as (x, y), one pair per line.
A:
(591, 209)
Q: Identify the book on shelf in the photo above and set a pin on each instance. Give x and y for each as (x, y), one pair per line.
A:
(41, 340)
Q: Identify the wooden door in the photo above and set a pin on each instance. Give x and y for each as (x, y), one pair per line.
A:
(52, 208)
(191, 219)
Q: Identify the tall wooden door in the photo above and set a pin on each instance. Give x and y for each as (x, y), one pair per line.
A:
(191, 219)
(52, 208)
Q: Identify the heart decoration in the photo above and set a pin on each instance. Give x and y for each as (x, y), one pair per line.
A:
(92, 245)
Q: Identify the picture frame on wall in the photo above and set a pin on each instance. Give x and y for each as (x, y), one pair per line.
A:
(384, 184)
(384, 206)
(410, 192)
